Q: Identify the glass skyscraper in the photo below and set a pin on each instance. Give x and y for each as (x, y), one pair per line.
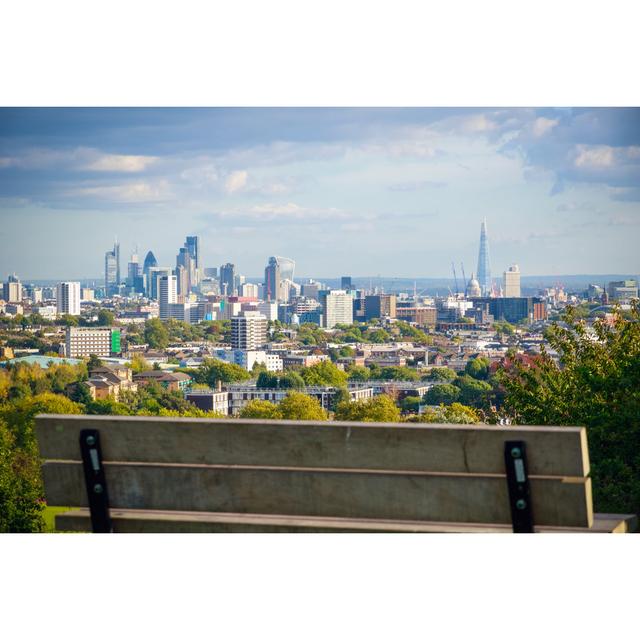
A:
(484, 265)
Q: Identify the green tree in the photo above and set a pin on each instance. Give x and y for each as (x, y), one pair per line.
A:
(378, 409)
(472, 391)
(324, 373)
(478, 368)
(106, 318)
(21, 501)
(455, 413)
(94, 362)
(596, 384)
(139, 363)
(399, 373)
(211, 371)
(442, 394)
(261, 410)
(443, 374)
(156, 334)
(299, 406)
(359, 374)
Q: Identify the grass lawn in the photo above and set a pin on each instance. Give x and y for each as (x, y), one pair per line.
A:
(49, 515)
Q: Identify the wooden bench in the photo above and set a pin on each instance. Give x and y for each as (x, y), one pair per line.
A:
(142, 474)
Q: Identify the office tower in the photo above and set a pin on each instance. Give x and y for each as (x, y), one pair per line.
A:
(338, 309)
(484, 265)
(112, 270)
(380, 306)
(248, 330)
(312, 289)
(155, 273)
(133, 270)
(68, 298)
(211, 272)
(227, 279)
(511, 282)
(167, 294)
(149, 263)
(12, 289)
(272, 280)
(622, 291)
(193, 246)
(81, 342)
(345, 283)
(182, 281)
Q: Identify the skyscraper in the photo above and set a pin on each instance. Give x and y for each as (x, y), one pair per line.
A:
(167, 295)
(133, 269)
(227, 279)
(149, 262)
(484, 265)
(68, 298)
(511, 282)
(12, 289)
(272, 280)
(112, 270)
(337, 309)
(193, 246)
(186, 271)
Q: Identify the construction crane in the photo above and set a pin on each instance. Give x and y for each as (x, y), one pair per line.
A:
(464, 279)
(455, 277)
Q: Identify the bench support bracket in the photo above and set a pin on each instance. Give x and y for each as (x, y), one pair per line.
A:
(95, 481)
(515, 458)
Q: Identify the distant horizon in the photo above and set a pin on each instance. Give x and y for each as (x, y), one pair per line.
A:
(388, 189)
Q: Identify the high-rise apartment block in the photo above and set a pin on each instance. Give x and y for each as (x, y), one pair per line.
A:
(248, 330)
(12, 289)
(68, 298)
(511, 282)
(167, 295)
(82, 342)
(337, 308)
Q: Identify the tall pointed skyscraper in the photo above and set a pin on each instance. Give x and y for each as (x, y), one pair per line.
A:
(484, 265)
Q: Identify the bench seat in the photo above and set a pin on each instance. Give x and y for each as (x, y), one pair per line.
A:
(148, 521)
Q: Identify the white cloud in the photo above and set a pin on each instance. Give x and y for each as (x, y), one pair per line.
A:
(120, 163)
(236, 181)
(594, 156)
(132, 192)
(541, 126)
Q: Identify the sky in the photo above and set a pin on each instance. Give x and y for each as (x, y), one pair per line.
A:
(346, 191)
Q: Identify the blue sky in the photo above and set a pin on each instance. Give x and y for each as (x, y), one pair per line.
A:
(397, 192)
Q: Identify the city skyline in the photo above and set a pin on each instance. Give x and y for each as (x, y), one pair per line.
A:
(408, 187)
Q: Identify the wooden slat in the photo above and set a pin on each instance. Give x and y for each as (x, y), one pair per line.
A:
(323, 492)
(558, 451)
(139, 521)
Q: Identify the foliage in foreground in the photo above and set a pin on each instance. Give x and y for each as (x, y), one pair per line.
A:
(597, 384)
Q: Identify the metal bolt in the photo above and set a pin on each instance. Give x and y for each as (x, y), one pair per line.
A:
(516, 452)
(91, 440)
(521, 504)
(98, 488)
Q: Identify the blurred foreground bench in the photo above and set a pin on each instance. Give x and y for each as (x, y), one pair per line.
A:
(142, 474)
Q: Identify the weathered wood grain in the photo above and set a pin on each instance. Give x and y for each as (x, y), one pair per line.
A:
(144, 521)
(558, 451)
(465, 498)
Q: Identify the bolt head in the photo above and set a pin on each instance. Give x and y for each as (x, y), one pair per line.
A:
(521, 504)
(98, 488)
(516, 452)
(91, 440)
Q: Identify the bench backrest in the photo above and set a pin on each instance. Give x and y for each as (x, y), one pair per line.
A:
(442, 473)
